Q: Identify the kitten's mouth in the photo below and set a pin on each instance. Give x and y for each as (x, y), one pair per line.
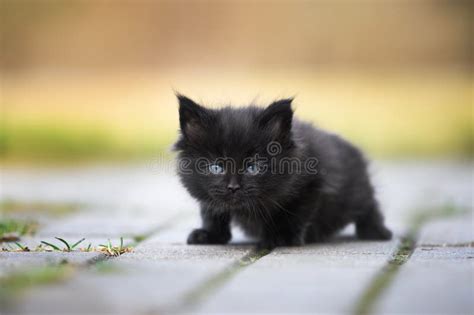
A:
(235, 199)
(232, 199)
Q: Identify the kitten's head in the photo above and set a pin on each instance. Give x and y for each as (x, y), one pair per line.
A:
(228, 156)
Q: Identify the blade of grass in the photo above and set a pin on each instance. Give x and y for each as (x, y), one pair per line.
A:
(51, 245)
(65, 243)
(23, 248)
(77, 243)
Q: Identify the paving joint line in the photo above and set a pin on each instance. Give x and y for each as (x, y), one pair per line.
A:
(408, 243)
(385, 276)
(200, 292)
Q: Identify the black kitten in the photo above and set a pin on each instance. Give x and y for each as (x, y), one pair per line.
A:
(283, 181)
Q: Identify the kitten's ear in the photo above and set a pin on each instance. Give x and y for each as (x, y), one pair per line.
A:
(193, 118)
(277, 118)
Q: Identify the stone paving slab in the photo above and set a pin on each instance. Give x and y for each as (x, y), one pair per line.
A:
(404, 186)
(441, 282)
(146, 281)
(449, 231)
(153, 277)
(442, 256)
(325, 278)
(437, 279)
(19, 261)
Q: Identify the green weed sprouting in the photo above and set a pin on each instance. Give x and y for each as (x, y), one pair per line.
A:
(68, 247)
(111, 250)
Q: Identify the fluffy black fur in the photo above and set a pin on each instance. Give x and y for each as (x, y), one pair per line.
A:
(286, 207)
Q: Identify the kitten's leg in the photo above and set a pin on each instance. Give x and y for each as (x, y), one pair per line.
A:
(285, 234)
(326, 221)
(371, 227)
(318, 233)
(215, 229)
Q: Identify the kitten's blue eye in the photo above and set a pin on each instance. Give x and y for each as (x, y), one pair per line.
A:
(216, 169)
(253, 169)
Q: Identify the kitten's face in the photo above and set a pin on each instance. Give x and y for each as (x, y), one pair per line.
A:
(227, 155)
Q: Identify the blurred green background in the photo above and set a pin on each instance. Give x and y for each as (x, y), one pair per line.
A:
(95, 80)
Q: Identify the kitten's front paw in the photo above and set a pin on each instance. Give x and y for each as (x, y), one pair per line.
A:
(375, 233)
(202, 236)
(199, 236)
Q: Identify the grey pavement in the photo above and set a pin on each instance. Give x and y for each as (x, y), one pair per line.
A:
(439, 277)
(318, 279)
(18, 261)
(164, 275)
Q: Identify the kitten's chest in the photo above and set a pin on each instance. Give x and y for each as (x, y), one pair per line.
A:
(251, 223)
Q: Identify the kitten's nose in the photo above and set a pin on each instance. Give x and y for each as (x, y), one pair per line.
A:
(233, 185)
